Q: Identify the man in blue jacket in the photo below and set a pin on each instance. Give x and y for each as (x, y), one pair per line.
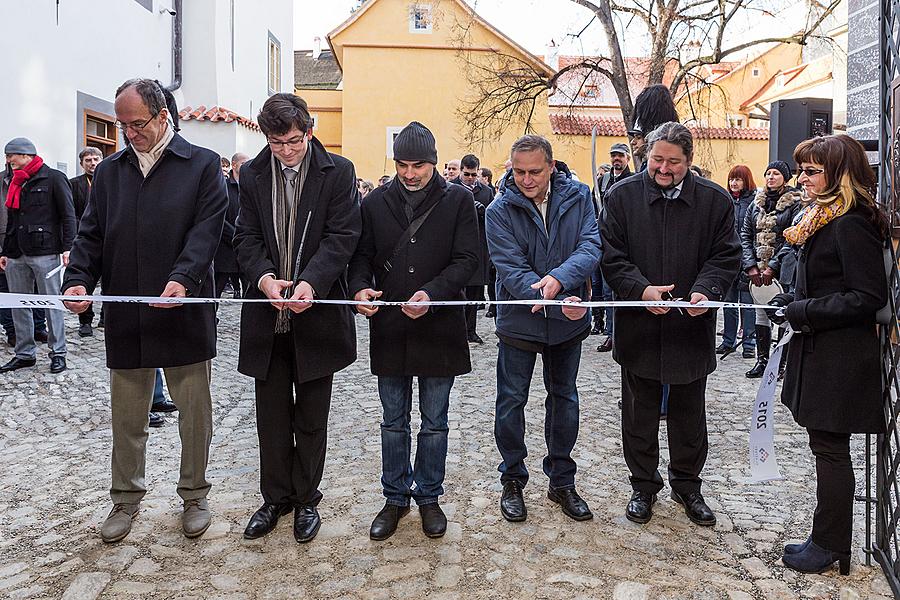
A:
(543, 240)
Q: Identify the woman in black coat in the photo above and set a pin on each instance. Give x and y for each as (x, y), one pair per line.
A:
(840, 285)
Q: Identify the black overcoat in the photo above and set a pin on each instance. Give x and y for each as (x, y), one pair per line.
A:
(225, 260)
(81, 191)
(136, 235)
(833, 376)
(483, 199)
(324, 335)
(439, 259)
(648, 240)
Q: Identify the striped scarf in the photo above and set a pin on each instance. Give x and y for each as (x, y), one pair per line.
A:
(284, 217)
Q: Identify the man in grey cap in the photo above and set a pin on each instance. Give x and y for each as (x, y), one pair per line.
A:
(40, 227)
(619, 157)
(419, 243)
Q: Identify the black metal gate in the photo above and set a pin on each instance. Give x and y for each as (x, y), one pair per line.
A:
(885, 547)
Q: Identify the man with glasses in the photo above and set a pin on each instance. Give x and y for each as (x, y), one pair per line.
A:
(88, 158)
(468, 178)
(296, 231)
(151, 228)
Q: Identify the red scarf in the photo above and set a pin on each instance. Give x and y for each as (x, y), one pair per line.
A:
(20, 176)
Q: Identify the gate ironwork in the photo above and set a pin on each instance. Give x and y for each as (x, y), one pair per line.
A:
(885, 547)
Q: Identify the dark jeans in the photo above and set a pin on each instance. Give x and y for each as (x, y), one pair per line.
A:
(600, 291)
(515, 368)
(748, 319)
(686, 425)
(6, 320)
(158, 396)
(398, 476)
(833, 520)
(474, 293)
(292, 424)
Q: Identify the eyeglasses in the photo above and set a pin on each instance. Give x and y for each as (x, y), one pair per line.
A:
(808, 171)
(468, 175)
(123, 127)
(294, 143)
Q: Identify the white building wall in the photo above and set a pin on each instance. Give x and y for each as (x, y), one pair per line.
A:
(94, 47)
(53, 71)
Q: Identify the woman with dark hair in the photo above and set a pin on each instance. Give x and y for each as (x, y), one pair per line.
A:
(652, 107)
(762, 236)
(832, 384)
(742, 189)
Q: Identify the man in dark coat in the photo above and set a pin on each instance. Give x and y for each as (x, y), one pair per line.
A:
(225, 263)
(667, 233)
(297, 229)
(89, 158)
(151, 228)
(468, 177)
(419, 244)
(542, 234)
(40, 227)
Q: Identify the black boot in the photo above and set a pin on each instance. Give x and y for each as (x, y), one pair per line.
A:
(597, 314)
(763, 343)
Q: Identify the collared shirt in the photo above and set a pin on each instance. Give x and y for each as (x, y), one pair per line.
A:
(673, 192)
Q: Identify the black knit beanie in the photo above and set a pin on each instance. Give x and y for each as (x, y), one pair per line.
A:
(415, 143)
(780, 166)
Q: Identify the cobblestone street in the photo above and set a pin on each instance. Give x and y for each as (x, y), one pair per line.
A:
(55, 451)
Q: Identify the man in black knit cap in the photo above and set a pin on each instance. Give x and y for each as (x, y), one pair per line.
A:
(419, 243)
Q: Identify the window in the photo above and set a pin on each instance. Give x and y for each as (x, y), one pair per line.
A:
(274, 65)
(590, 91)
(755, 72)
(392, 133)
(315, 119)
(420, 18)
(100, 132)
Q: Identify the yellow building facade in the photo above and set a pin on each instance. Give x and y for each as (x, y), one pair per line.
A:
(403, 61)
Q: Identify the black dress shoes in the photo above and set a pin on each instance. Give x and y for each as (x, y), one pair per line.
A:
(17, 363)
(385, 523)
(434, 522)
(85, 330)
(41, 337)
(306, 523)
(640, 507)
(695, 508)
(475, 339)
(606, 345)
(512, 504)
(166, 406)
(57, 364)
(157, 420)
(265, 519)
(573, 505)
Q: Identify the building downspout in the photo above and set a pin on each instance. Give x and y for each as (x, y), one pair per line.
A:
(177, 43)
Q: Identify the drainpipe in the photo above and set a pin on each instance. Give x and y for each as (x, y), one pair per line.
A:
(177, 43)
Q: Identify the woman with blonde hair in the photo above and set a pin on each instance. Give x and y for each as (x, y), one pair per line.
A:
(832, 384)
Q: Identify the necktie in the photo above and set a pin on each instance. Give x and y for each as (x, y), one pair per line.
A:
(289, 176)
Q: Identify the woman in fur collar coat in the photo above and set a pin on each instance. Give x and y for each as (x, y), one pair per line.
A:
(762, 236)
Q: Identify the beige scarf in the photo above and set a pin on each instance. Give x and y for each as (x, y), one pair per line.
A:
(146, 160)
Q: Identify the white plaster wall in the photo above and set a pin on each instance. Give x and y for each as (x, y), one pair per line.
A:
(96, 46)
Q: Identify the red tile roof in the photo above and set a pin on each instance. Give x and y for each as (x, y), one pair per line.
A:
(615, 127)
(215, 114)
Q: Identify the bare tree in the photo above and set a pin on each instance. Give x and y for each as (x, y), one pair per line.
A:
(507, 89)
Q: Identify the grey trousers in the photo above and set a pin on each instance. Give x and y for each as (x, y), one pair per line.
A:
(22, 274)
(132, 394)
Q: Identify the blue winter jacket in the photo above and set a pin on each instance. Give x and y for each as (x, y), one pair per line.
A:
(523, 252)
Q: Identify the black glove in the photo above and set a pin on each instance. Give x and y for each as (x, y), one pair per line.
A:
(779, 301)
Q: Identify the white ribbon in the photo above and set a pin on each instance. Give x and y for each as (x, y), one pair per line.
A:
(763, 464)
(10, 300)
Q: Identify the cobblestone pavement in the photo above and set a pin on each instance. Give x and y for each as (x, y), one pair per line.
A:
(55, 446)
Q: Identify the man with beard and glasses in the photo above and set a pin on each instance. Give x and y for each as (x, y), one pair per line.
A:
(667, 234)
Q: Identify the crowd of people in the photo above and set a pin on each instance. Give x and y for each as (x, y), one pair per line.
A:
(295, 223)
